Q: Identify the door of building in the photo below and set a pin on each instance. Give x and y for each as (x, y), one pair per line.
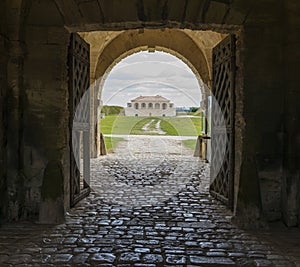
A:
(222, 121)
(79, 108)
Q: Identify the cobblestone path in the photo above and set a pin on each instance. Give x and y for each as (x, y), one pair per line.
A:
(145, 210)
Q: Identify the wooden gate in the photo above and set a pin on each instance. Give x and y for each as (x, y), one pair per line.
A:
(79, 107)
(222, 121)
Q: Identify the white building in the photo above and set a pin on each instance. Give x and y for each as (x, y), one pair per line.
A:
(150, 106)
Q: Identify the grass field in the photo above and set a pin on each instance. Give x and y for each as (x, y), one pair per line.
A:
(165, 126)
(111, 143)
(191, 143)
(179, 126)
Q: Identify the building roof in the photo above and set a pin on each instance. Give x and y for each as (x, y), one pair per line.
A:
(153, 98)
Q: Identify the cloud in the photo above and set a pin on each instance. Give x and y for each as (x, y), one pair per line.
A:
(146, 73)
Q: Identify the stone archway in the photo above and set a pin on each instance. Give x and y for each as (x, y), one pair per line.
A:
(101, 78)
(45, 31)
(108, 48)
(192, 47)
(189, 47)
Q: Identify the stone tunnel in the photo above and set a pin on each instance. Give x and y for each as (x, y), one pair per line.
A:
(35, 114)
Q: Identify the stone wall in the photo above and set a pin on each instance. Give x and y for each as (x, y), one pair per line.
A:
(270, 112)
(291, 128)
(3, 91)
(46, 117)
(15, 12)
(36, 113)
(263, 109)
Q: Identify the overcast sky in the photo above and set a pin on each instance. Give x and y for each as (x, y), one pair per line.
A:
(147, 73)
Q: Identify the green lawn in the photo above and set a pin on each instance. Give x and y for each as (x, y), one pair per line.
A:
(133, 125)
(137, 128)
(181, 126)
(111, 143)
(191, 143)
(114, 124)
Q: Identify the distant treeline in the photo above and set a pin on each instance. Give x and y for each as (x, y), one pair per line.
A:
(195, 111)
(112, 110)
(187, 109)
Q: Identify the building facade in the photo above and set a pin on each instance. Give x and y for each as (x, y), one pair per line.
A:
(150, 106)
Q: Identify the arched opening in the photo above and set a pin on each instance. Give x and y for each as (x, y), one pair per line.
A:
(197, 57)
(161, 136)
(145, 42)
(36, 183)
(148, 92)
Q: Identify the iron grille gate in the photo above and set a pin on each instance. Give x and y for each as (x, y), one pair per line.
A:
(79, 107)
(222, 121)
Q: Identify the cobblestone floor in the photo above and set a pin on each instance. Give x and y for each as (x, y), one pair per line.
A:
(145, 210)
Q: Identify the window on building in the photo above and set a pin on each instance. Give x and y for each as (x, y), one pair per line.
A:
(136, 105)
(150, 105)
(129, 105)
(157, 105)
(164, 106)
(171, 105)
(143, 105)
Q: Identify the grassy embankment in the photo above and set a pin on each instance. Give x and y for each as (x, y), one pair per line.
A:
(110, 112)
(175, 126)
(112, 142)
